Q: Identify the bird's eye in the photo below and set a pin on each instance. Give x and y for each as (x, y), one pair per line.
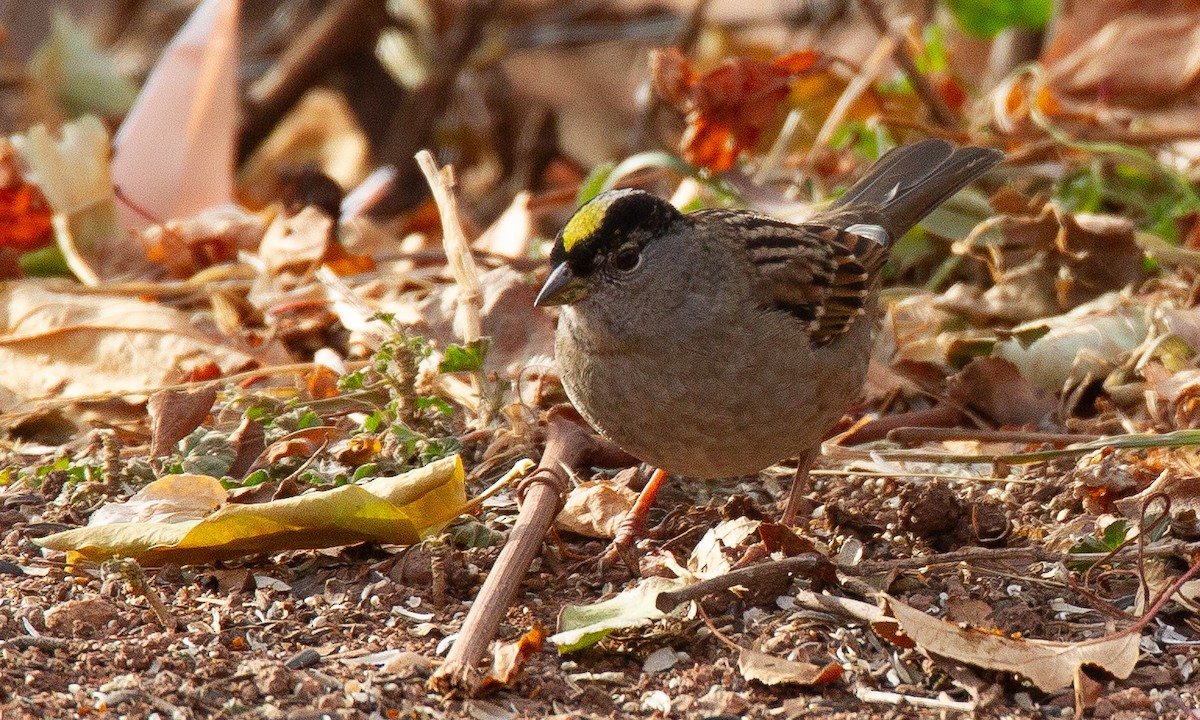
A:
(627, 259)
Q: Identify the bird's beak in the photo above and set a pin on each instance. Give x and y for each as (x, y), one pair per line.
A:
(561, 288)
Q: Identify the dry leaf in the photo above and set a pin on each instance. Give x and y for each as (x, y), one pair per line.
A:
(770, 670)
(509, 658)
(73, 174)
(400, 509)
(1048, 665)
(728, 107)
(176, 413)
(581, 626)
(209, 238)
(595, 509)
(105, 343)
(299, 242)
(1048, 262)
(1087, 342)
(510, 235)
(249, 439)
(1088, 54)
(994, 387)
(172, 498)
(24, 211)
(709, 558)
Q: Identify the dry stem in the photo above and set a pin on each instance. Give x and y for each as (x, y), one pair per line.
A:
(458, 250)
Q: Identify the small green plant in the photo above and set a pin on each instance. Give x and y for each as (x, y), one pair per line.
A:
(421, 422)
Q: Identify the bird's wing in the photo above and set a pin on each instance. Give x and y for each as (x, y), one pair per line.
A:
(820, 273)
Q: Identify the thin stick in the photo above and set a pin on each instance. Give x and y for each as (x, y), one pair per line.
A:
(132, 572)
(854, 90)
(915, 435)
(342, 28)
(567, 444)
(890, 698)
(750, 576)
(458, 250)
(941, 112)
(1034, 554)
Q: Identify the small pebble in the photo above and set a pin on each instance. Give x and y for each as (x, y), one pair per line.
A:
(305, 658)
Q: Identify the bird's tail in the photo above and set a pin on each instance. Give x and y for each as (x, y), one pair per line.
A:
(909, 182)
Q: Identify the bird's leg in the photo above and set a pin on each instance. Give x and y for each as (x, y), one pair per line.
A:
(800, 488)
(634, 524)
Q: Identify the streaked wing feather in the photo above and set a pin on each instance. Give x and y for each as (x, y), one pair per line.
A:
(818, 273)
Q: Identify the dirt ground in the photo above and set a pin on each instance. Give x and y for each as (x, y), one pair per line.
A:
(354, 632)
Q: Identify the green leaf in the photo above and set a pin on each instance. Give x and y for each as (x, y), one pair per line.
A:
(594, 183)
(985, 18)
(432, 401)
(581, 626)
(373, 422)
(468, 358)
(352, 381)
(46, 262)
(1115, 534)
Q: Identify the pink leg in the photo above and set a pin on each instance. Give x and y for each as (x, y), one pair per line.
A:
(634, 523)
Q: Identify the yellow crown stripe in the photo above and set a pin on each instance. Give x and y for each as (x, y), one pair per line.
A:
(585, 222)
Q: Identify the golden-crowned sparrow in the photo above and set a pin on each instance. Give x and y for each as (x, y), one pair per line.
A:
(719, 342)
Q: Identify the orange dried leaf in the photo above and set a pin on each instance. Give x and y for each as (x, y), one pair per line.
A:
(509, 658)
(342, 262)
(798, 62)
(729, 106)
(951, 92)
(359, 450)
(1046, 102)
(672, 74)
(24, 218)
(201, 372)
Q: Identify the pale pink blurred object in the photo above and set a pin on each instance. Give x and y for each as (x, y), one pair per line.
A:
(174, 154)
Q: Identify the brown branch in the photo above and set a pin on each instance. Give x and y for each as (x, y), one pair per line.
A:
(568, 444)
(343, 29)
(1034, 554)
(940, 416)
(756, 575)
(411, 126)
(937, 107)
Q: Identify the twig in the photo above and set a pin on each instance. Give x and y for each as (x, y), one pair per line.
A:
(809, 564)
(779, 149)
(567, 445)
(133, 574)
(1035, 554)
(890, 698)
(942, 415)
(917, 435)
(854, 89)
(940, 111)
(1130, 441)
(48, 644)
(905, 474)
(458, 250)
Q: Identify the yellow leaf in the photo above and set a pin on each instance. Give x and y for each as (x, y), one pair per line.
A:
(399, 509)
